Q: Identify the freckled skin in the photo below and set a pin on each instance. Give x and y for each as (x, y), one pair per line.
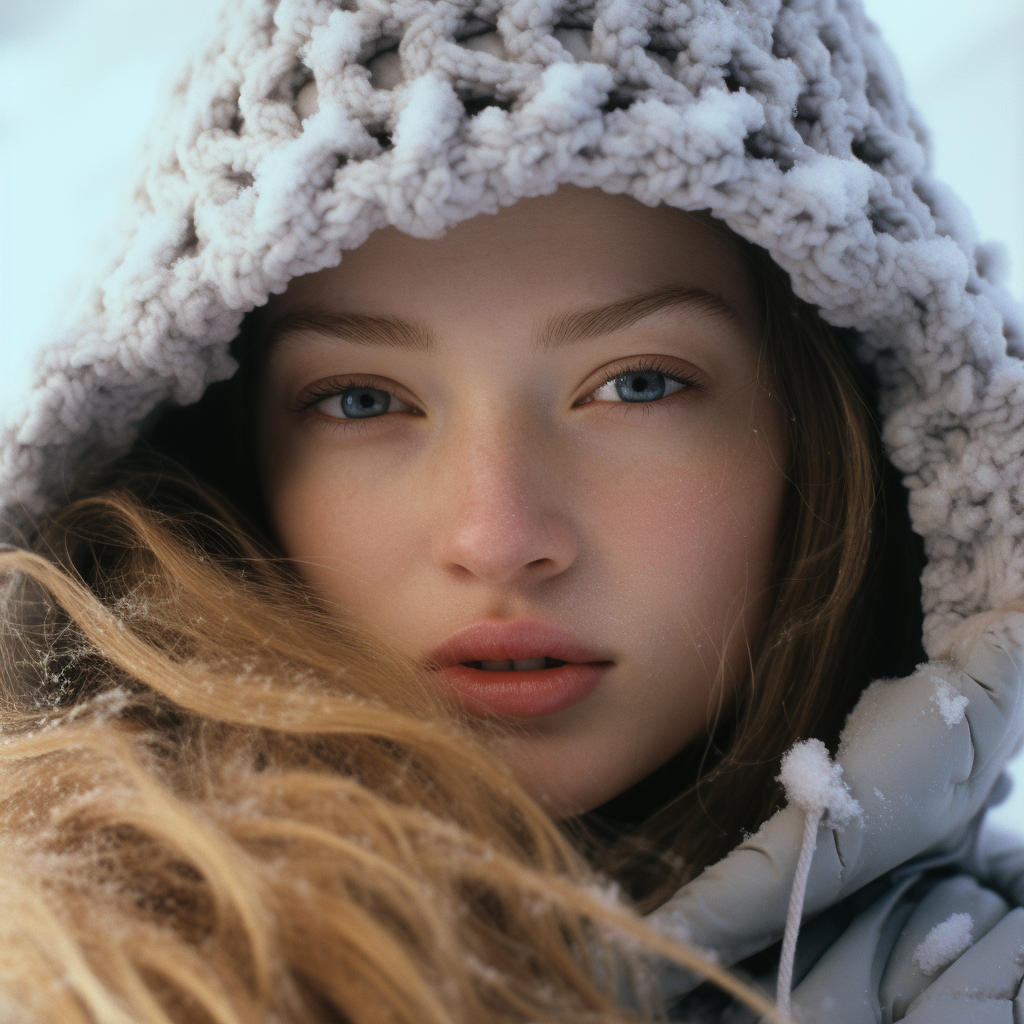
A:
(647, 530)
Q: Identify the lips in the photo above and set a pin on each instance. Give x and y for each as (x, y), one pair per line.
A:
(522, 669)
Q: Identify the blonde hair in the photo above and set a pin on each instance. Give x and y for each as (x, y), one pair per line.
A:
(220, 802)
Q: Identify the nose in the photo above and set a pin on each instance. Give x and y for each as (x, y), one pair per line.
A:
(505, 516)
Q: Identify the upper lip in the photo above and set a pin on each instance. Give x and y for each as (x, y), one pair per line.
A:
(516, 640)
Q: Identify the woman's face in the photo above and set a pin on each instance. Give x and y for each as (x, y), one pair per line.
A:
(539, 439)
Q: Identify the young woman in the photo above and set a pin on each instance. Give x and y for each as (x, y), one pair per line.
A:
(537, 514)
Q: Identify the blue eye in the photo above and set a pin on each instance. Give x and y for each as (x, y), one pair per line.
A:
(357, 402)
(640, 387)
(361, 403)
(637, 386)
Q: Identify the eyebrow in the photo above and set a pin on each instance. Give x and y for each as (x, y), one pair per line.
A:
(560, 330)
(581, 325)
(357, 328)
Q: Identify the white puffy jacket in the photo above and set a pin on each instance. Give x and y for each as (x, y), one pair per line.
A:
(913, 912)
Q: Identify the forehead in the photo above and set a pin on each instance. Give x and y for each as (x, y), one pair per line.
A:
(545, 255)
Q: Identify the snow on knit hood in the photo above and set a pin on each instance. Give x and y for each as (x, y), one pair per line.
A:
(308, 124)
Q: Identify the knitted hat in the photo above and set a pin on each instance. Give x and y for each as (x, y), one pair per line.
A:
(309, 124)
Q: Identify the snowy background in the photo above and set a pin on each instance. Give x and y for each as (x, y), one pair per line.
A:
(80, 80)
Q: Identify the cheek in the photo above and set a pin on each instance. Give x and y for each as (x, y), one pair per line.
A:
(694, 530)
(340, 520)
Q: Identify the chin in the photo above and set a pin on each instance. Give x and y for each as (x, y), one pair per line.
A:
(566, 778)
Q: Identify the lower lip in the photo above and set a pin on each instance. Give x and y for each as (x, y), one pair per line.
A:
(528, 694)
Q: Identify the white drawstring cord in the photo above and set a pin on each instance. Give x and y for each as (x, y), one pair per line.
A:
(815, 784)
(796, 910)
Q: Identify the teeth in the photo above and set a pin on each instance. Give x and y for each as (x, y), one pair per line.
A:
(528, 664)
(509, 665)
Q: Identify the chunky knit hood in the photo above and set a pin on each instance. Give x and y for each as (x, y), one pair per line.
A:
(308, 124)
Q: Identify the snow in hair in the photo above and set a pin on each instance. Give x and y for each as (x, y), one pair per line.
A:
(313, 123)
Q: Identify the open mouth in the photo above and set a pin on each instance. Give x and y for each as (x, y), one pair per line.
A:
(521, 688)
(518, 669)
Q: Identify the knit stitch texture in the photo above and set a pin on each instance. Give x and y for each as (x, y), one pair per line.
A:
(309, 124)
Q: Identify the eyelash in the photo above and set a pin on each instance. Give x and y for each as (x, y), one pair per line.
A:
(316, 393)
(647, 364)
